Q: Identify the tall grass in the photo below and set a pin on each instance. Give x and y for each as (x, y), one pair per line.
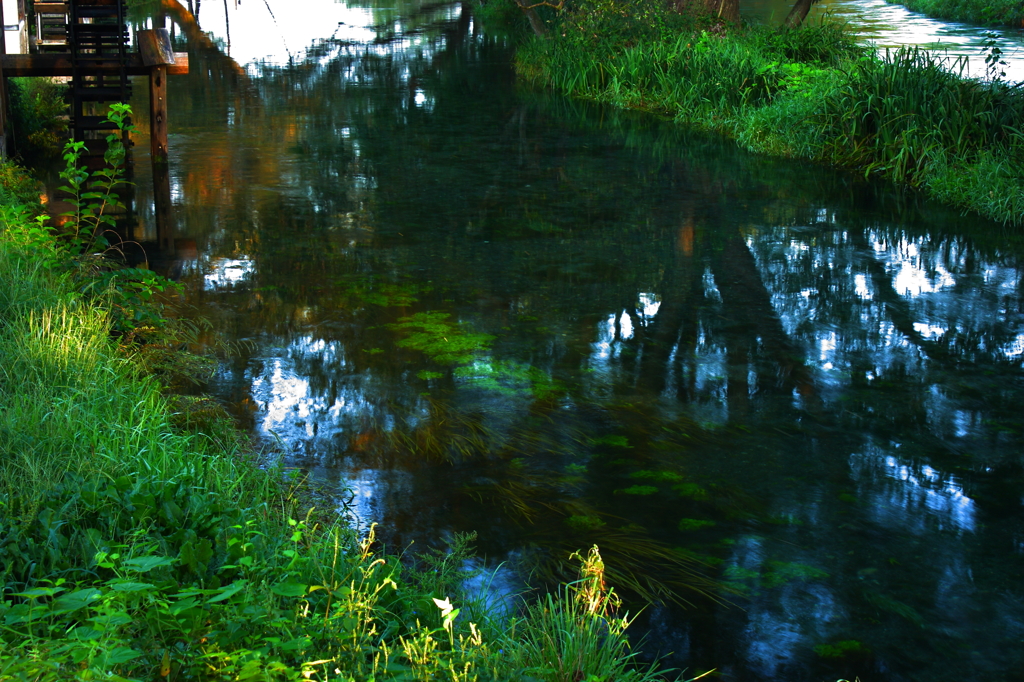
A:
(811, 92)
(133, 550)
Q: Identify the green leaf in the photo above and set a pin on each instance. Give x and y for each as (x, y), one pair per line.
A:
(144, 564)
(129, 586)
(289, 589)
(116, 656)
(229, 591)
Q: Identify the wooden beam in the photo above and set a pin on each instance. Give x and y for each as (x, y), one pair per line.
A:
(60, 65)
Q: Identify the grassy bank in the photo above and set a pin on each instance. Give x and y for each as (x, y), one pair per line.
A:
(810, 93)
(135, 546)
(984, 12)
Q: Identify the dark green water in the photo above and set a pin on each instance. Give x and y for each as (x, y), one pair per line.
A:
(779, 393)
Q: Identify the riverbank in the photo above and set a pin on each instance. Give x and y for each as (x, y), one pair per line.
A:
(136, 544)
(987, 13)
(810, 93)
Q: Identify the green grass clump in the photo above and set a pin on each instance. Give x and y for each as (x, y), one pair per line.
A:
(985, 12)
(810, 92)
(140, 540)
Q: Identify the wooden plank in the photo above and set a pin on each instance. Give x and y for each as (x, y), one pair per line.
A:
(60, 65)
(155, 47)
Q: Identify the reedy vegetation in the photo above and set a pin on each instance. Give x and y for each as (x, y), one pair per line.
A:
(133, 549)
(810, 92)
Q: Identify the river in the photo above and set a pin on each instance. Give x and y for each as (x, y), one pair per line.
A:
(781, 398)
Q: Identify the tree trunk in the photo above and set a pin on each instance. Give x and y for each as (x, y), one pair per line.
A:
(799, 12)
(727, 10)
(535, 22)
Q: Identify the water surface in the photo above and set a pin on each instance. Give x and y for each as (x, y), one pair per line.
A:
(782, 399)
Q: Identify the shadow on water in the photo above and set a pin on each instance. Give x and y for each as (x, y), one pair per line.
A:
(771, 392)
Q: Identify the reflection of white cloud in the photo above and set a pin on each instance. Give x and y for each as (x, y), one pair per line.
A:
(625, 326)
(288, 397)
(275, 30)
(648, 305)
(929, 331)
(860, 283)
(1015, 348)
(225, 273)
(293, 408)
(911, 280)
(601, 349)
(907, 494)
(827, 344)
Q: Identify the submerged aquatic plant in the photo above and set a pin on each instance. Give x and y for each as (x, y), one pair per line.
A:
(444, 342)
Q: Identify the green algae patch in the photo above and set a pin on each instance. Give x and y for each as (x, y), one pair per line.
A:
(383, 294)
(508, 379)
(637, 490)
(781, 572)
(847, 647)
(661, 476)
(444, 342)
(691, 491)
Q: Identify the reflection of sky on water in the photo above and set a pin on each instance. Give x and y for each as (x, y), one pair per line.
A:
(274, 32)
(910, 496)
(307, 414)
(224, 273)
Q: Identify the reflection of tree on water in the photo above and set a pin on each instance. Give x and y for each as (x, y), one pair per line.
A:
(677, 342)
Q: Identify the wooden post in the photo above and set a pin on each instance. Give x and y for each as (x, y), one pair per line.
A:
(3, 88)
(155, 48)
(158, 115)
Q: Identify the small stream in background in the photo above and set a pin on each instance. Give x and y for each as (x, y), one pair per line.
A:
(782, 397)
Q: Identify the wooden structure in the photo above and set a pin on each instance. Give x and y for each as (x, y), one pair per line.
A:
(88, 41)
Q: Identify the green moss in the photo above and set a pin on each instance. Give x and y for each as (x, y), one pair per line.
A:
(427, 375)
